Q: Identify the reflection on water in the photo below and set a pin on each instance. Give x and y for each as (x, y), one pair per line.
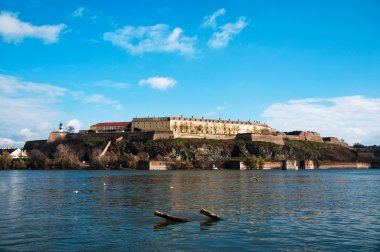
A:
(113, 210)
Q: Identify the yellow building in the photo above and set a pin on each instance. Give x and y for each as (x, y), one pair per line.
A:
(199, 126)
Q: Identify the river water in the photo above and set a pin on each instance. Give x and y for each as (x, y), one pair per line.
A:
(310, 210)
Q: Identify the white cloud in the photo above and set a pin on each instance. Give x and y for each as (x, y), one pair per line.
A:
(6, 142)
(160, 83)
(75, 123)
(210, 21)
(156, 38)
(13, 29)
(353, 118)
(101, 99)
(27, 109)
(112, 84)
(218, 109)
(11, 85)
(78, 12)
(225, 33)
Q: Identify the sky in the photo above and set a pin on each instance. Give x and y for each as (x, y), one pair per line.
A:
(296, 65)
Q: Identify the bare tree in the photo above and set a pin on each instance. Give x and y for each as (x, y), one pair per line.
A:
(5, 161)
(66, 158)
(70, 129)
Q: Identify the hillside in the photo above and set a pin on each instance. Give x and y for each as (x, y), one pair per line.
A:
(198, 153)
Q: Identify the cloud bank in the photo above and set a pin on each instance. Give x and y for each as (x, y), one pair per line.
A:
(78, 12)
(27, 109)
(30, 110)
(223, 34)
(14, 30)
(353, 118)
(210, 21)
(160, 83)
(148, 39)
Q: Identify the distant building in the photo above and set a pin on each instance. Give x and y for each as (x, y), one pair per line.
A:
(14, 152)
(304, 136)
(191, 125)
(334, 140)
(111, 127)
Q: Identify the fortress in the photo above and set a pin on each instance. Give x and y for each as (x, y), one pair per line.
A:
(191, 125)
(154, 128)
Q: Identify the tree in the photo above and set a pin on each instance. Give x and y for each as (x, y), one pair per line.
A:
(261, 163)
(129, 160)
(70, 129)
(358, 145)
(5, 161)
(254, 162)
(38, 160)
(19, 164)
(66, 158)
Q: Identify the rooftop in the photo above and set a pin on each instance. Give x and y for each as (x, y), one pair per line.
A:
(108, 124)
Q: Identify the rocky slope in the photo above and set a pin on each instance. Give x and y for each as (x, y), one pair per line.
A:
(202, 153)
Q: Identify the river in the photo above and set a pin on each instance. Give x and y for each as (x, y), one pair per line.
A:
(308, 210)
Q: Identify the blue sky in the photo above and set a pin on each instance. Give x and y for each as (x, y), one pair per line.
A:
(297, 65)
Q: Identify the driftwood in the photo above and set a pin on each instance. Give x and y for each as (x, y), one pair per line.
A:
(210, 214)
(169, 217)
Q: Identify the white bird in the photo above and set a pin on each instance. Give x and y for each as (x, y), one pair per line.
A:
(257, 180)
(104, 184)
(76, 191)
(172, 187)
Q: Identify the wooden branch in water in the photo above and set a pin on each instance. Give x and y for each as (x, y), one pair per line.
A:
(169, 217)
(210, 214)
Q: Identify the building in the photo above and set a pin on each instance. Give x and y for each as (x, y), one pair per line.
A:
(334, 140)
(111, 127)
(303, 136)
(191, 125)
(15, 153)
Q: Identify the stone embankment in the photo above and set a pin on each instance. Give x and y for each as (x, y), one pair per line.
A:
(345, 165)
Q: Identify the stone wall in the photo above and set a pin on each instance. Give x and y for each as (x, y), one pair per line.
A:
(203, 136)
(276, 139)
(290, 165)
(154, 165)
(345, 165)
(304, 136)
(307, 164)
(235, 165)
(56, 136)
(272, 166)
(163, 135)
(334, 140)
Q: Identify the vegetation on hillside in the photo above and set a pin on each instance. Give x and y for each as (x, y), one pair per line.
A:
(74, 153)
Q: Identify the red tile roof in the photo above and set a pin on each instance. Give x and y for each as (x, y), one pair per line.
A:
(108, 124)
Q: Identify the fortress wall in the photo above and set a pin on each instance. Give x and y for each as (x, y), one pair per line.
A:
(290, 165)
(295, 138)
(163, 135)
(203, 136)
(272, 166)
(334, 140)
(235, 165)
(345, 165)
(307, 164)
(313, 137)
(56, 136)
(277, 139)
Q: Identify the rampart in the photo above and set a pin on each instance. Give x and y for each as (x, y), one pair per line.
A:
(276, 139)
(345, 165)
(203, 136)
(334, 140)
(304, 136)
